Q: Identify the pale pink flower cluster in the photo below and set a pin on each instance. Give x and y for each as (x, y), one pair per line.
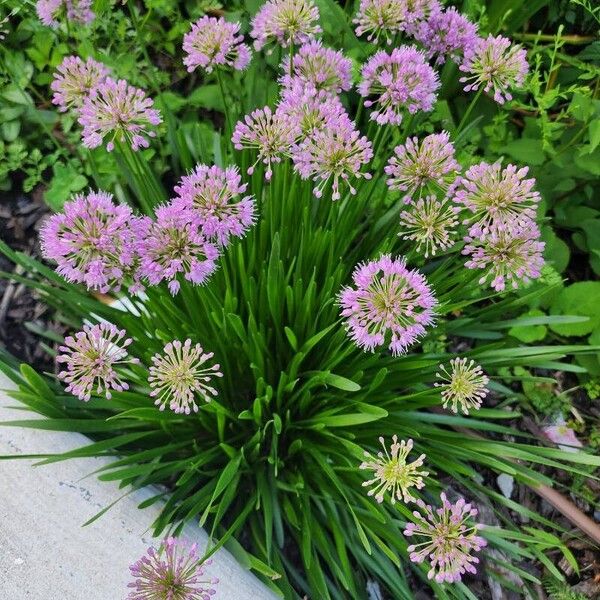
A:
(214, 43)
(450, 539)
(387, 18)
(179, 373)
(91, 241)
(120, 112)
(287, 22)
(497, 204)
(74, 81)
(388, 305)
(318, 67)
(495, 65)
(174, 572)
(216, 199)
(396, 83)
(90, 358)
(103, 245)
(78, 11)
(393, 473)
(446, 33)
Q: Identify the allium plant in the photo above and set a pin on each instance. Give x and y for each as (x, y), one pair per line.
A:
(399, 82)
(174, 572)
(286, 22)
(288, 288)
(494, 65)
(74, 80)
(119, 112)
(79, 12)
(213, 43)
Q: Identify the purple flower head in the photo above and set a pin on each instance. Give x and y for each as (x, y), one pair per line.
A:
(271, 134)
(90, 357)
(319, 67)
(450, 539)
(215, 197)
(429, 223)
(495, 195)
(173, 245)
(78, 11)
(380, 18)
(173, 573)
(214, 42)
(389, 305)
(91, 241)
(179, 373)
(287, 22)
(428, 165)
(392, 472)
(508, 253)
(446, 33)
(496, 65)
(334, 152)
(120, 112)
(308, 108)
(74, 80)
(400, 81)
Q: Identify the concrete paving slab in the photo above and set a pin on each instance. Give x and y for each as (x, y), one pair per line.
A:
(46, 554)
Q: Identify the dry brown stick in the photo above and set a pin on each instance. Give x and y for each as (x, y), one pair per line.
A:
(553, 497)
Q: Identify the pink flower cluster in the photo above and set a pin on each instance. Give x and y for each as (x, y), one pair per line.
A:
(174, 572)
(318, 67)
(214, 43)
(389, 305)
(103, 245)
(449, 539)
(106, 108)
(497, 204)
(399, 81)
(74, 81)
(310, 125)
(78, 11)
(287, 22)
(120, 112)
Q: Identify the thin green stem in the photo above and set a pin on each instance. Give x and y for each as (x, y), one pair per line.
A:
(224, 98)
(469, 110)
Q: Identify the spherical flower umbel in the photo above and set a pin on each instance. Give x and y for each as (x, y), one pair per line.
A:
(120, 112)
(401, 81)
(508, 253)
(464, 385)
(285, 21)
(446, 33)
(91, 241)
(393, 472)
(495, 65)
(450, 539)
(215, 197)
(213, 43)
(389, 305)
(172, 246)
(310, 109)
(428, 165)
(90, 357)
(430, 223)
(324, 69)
(494, 195)
(334, 152)
(173, 573)
(179, 373)
(380, 18)
(271, 134)
(78, 11)
(74, 80)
